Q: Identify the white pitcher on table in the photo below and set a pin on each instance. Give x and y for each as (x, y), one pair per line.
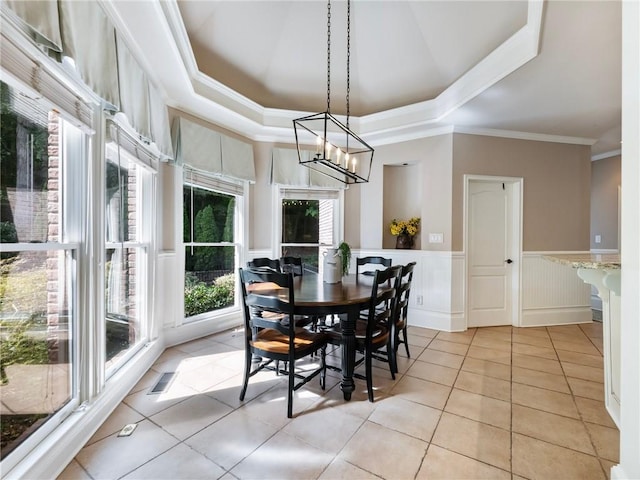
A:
(332, 266)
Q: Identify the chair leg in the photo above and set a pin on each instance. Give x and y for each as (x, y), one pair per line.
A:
(367, 362)
(247, 369)
(291, 385)
(323, 372)
(406, 344)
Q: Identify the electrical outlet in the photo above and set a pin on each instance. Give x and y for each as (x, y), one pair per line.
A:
(127, 430)
(436, 238)
(598, 238)
(419, 300)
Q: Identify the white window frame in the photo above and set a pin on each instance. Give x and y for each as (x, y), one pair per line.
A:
(145, 245)
(226, 186)
(283, 193)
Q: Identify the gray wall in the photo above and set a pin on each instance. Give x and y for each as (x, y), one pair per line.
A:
(605, 180)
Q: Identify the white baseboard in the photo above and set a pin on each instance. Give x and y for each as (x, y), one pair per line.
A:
(446, 322)
(545, 317)
(198, 329)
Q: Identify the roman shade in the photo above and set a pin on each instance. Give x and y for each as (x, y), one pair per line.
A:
(287, 171)
(89, 38)
(23, 69)
(204, 149)
(41, 20)
(132, 144)
(83, 33)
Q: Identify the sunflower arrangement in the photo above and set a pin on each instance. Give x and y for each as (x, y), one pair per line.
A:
(405, 227)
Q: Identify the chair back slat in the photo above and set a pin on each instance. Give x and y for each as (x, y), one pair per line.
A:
(264, 262)
(384, 262)
(293, 265)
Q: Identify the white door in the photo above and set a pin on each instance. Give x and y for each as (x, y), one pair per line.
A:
(490, 246)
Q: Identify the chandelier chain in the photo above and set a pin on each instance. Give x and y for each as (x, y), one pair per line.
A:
(329, 56)
(348, 56)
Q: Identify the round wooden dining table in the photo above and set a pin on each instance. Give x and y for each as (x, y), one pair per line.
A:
(314, 297)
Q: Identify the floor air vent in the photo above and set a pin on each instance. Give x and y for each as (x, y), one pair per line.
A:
(163, 383)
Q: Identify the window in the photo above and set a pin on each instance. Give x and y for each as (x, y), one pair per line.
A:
(127, 184)
(37, 268)
(211, 250)
(309, 224)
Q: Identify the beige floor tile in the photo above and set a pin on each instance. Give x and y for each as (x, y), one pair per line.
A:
(422, 332)
(540, 379)
(491, 334)
(484, 385)
(538, 341)
(583, 372)
(231, 438)
(442, 464)
(170, 360)
(74, 471)
(327, 429)
(339, 469)
(412, 418)
(581, 358)
(300, 460)
(589, 349)
(457, 337)
(147, 381)
(416, 341)
(114, 456)
(359, 405)
(593, 328)
(204, 377)
(121, 416)
(449, 347)
(491, 342)
(480, 408)
(540, 332)
(538, 460)
(546, 400)
(179, 462)
(562, 431)
(422, 391)
(482, 353)
(442, 358)
(473, 439)
(607, 466)
(186, 418)
(402, 454)
(569, 337)
(537, 363)
(584, 388)
(228, 392)
(594, 411)
(433, 373)
(487, 368)
(535, 351)
(606, 441)
(271, 406)
(149, 405)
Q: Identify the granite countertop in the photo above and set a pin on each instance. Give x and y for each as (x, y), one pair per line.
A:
(595, 261)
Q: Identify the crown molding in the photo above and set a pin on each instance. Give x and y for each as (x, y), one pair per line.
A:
(410, 121)
(536, 137)
(191, 91)
(609, 154)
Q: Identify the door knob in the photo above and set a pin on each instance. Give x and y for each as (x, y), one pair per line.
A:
(508, 260)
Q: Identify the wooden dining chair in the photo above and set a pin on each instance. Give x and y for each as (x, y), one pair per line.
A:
(373, 332)
(264, 262)
(381, 261)
(271, 334)
(293, 265)
(402, 308)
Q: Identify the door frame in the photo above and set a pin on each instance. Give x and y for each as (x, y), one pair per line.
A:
(515, 197)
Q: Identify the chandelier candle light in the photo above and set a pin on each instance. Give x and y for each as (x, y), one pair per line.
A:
(339, 152)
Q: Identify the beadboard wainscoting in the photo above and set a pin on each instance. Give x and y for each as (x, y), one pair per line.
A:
(552, 294)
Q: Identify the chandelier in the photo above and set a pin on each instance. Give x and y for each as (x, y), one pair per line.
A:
(339, 152)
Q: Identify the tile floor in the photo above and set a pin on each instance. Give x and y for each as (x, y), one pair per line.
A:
(493, 403)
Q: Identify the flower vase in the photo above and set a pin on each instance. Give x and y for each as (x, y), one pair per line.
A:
(404, 241)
